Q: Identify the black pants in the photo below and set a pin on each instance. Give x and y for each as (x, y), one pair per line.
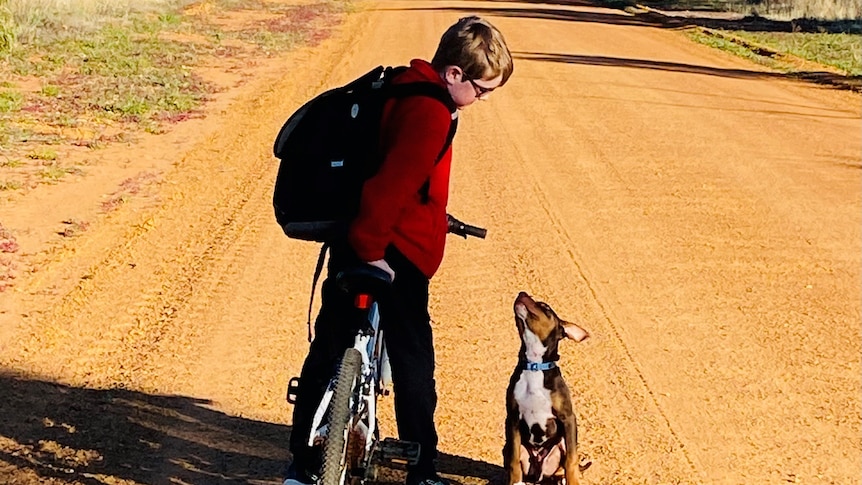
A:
(407, 331)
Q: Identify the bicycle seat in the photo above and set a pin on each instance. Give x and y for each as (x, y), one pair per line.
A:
(363, 279)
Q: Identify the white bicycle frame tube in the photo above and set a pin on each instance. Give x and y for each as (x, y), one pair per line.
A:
(365, 344)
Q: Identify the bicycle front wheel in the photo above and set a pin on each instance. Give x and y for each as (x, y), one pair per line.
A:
(335, 461)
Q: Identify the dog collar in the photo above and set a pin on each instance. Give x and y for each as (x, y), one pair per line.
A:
(537, 366)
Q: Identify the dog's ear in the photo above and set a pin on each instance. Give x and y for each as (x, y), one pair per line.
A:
(574, 332)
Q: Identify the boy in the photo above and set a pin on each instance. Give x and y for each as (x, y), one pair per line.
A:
(401, 228)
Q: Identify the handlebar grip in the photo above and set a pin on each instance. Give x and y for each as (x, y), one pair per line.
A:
(475, 231)
(464, 230)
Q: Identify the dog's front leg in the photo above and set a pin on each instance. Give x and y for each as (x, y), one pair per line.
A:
(512, 451)
(570, 466)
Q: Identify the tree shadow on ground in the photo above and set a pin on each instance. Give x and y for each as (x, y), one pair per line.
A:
(819, 77)
(56, 434)
(560, 10)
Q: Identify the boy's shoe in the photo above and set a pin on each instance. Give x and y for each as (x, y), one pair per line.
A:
(293, 481)
(295, 477)
(431, 480)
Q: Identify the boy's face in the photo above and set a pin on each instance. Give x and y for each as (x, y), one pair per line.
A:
(466, 91)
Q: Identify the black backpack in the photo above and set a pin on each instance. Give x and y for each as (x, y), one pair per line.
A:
(330, 146)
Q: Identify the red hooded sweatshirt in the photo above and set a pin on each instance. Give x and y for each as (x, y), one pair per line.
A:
(391, 209)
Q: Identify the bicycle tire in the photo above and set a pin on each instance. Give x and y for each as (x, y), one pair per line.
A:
(335, 446)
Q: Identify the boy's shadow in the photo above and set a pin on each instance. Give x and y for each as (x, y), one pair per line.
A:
(51, 431)
(472, 471)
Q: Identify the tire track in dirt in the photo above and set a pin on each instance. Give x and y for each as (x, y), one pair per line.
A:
(579, 261)
(167, 251)
(145, 316)
(622, 428)
(640, 202)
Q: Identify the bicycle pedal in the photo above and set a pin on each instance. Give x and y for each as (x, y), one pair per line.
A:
(292, 390)
(399, 452)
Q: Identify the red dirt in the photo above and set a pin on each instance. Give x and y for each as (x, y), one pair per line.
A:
(699, 215)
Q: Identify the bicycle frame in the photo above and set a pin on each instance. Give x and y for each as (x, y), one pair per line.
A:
(345, 420)
(374, 379)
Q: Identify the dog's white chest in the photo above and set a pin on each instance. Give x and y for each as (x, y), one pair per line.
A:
(534, 399)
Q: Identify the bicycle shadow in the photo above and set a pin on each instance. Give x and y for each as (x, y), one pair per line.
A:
(52, 433)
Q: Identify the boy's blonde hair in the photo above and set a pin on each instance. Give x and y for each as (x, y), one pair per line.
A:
(477, 47)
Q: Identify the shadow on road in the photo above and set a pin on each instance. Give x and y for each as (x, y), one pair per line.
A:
(53, 433)
(819, 77)
(645, 64)
(560, 10)
(74, 434)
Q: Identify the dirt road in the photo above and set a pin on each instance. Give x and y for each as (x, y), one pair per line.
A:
(701, 217)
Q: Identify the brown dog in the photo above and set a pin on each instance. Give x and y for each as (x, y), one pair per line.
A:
(541, 429)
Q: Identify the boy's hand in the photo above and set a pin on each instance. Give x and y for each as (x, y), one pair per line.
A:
(382, 264)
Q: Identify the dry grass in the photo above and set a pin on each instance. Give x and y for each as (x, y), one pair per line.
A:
(41, 17)
(60, 61)
(825, 10)
(805, 9)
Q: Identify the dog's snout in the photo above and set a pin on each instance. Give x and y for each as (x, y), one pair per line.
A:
(526, 301)
(522, 304)
(521, 311)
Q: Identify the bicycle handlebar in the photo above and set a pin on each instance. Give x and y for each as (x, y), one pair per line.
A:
(461, 229)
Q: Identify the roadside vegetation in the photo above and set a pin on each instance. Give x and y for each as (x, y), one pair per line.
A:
(88, 73)
(841, 53)
(847, 11)
(815, 39)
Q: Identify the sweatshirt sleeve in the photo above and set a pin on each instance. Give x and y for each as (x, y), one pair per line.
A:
(412, 138)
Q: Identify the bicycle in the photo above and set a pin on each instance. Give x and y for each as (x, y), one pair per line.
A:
(345, 421)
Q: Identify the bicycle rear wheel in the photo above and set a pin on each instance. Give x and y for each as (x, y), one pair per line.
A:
(335, 462)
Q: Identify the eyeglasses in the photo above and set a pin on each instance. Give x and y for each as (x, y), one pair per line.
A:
(481, 91)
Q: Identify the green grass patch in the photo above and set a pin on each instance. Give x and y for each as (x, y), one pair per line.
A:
(10, 133)
(13, 163)
(43, 154)
(8, 30)
(50, 90)
(825, 10)
(132, 62)
(725, 44)
(10, 101)
(10, 185)
(156, 74)
(53, 173)
(842, 51)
